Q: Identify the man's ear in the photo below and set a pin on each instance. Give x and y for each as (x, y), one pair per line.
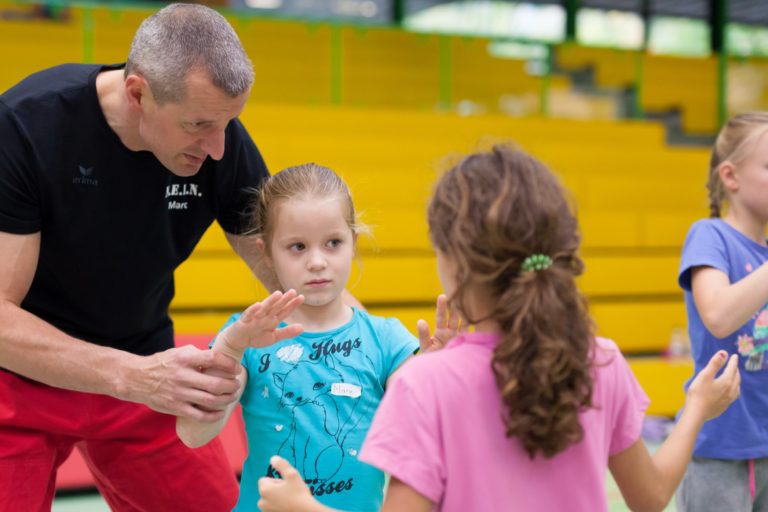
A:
(136, 91)
(261, 246)
(728, 176)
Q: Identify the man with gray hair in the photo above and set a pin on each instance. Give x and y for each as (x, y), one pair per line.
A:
(109, 176)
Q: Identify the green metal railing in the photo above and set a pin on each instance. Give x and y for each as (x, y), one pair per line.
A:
(446, 67)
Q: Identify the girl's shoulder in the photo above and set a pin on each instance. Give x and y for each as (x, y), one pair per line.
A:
(607, 359)
(605, 351)
(718, 233)
(612, 373)
(707, 227)
(707, 235)
(713, 230)
(383, 326)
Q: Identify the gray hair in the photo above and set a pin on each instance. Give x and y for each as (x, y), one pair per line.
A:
(184, 37)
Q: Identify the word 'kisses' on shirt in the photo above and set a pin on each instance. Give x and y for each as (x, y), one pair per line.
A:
(324, 487)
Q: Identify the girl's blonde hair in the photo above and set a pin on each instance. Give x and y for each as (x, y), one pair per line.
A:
(304, 181)
(489, 214)
(734, 143)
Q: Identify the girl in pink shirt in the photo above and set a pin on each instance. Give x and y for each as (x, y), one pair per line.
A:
(529, 410)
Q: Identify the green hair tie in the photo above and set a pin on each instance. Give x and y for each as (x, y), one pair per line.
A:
(536, 262)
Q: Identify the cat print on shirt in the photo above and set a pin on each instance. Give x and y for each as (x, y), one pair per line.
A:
(319, 402)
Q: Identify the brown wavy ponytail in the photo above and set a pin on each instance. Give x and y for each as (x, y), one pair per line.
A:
(488, 214)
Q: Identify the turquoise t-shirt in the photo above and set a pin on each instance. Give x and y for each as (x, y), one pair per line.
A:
(311, 399)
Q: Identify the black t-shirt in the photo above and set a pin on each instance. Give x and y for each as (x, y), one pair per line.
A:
(114, 223)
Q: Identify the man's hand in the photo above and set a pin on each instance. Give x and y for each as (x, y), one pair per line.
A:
(184, 381)
(200, 384)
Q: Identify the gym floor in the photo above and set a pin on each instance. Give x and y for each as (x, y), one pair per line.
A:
(93, 502)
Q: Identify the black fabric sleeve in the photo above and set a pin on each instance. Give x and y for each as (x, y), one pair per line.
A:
(19, 196)
(247, 174)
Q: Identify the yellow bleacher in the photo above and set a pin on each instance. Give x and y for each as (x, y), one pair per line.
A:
(389, 67)
(113, 30)
(661, 85)
(314, 63)
(613, 68)
(307, 63)
(747, 84)
(491, 82)
(696, 95)
(27, 46)
(292, 60)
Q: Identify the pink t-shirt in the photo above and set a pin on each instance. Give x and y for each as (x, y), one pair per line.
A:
(439, 431)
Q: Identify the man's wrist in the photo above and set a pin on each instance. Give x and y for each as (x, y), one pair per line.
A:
(123, 382)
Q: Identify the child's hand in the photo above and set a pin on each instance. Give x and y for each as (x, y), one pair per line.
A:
(288, 494)
(257, 326)
(711, 396)
(448, 323)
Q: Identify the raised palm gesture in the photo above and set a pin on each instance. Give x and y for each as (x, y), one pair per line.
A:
(448, 323)
(258, 325)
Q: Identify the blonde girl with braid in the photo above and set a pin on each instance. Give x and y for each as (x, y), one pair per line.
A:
(725, 280)
(529, 409)
(312, 368)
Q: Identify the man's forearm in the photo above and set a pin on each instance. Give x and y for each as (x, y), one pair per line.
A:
(36, 349)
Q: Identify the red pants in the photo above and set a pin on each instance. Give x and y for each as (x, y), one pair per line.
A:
(137, 461)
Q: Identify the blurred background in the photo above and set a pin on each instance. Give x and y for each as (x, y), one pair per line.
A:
(621, 98)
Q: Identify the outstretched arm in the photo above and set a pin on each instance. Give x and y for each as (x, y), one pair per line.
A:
(169, 382)
(648, 483)
(256, 327)
(725, 306)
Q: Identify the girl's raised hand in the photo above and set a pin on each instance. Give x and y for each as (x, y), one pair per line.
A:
(448, 323)
(258, 325)
(711, 395)
(288, 494)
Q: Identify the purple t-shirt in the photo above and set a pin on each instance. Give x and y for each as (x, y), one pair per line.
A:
(439, 431)
(741, 432)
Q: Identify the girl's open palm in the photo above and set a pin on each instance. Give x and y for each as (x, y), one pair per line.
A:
(448, 324)
(258, 325)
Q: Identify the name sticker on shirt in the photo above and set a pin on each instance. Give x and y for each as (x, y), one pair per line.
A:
(344, 389)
